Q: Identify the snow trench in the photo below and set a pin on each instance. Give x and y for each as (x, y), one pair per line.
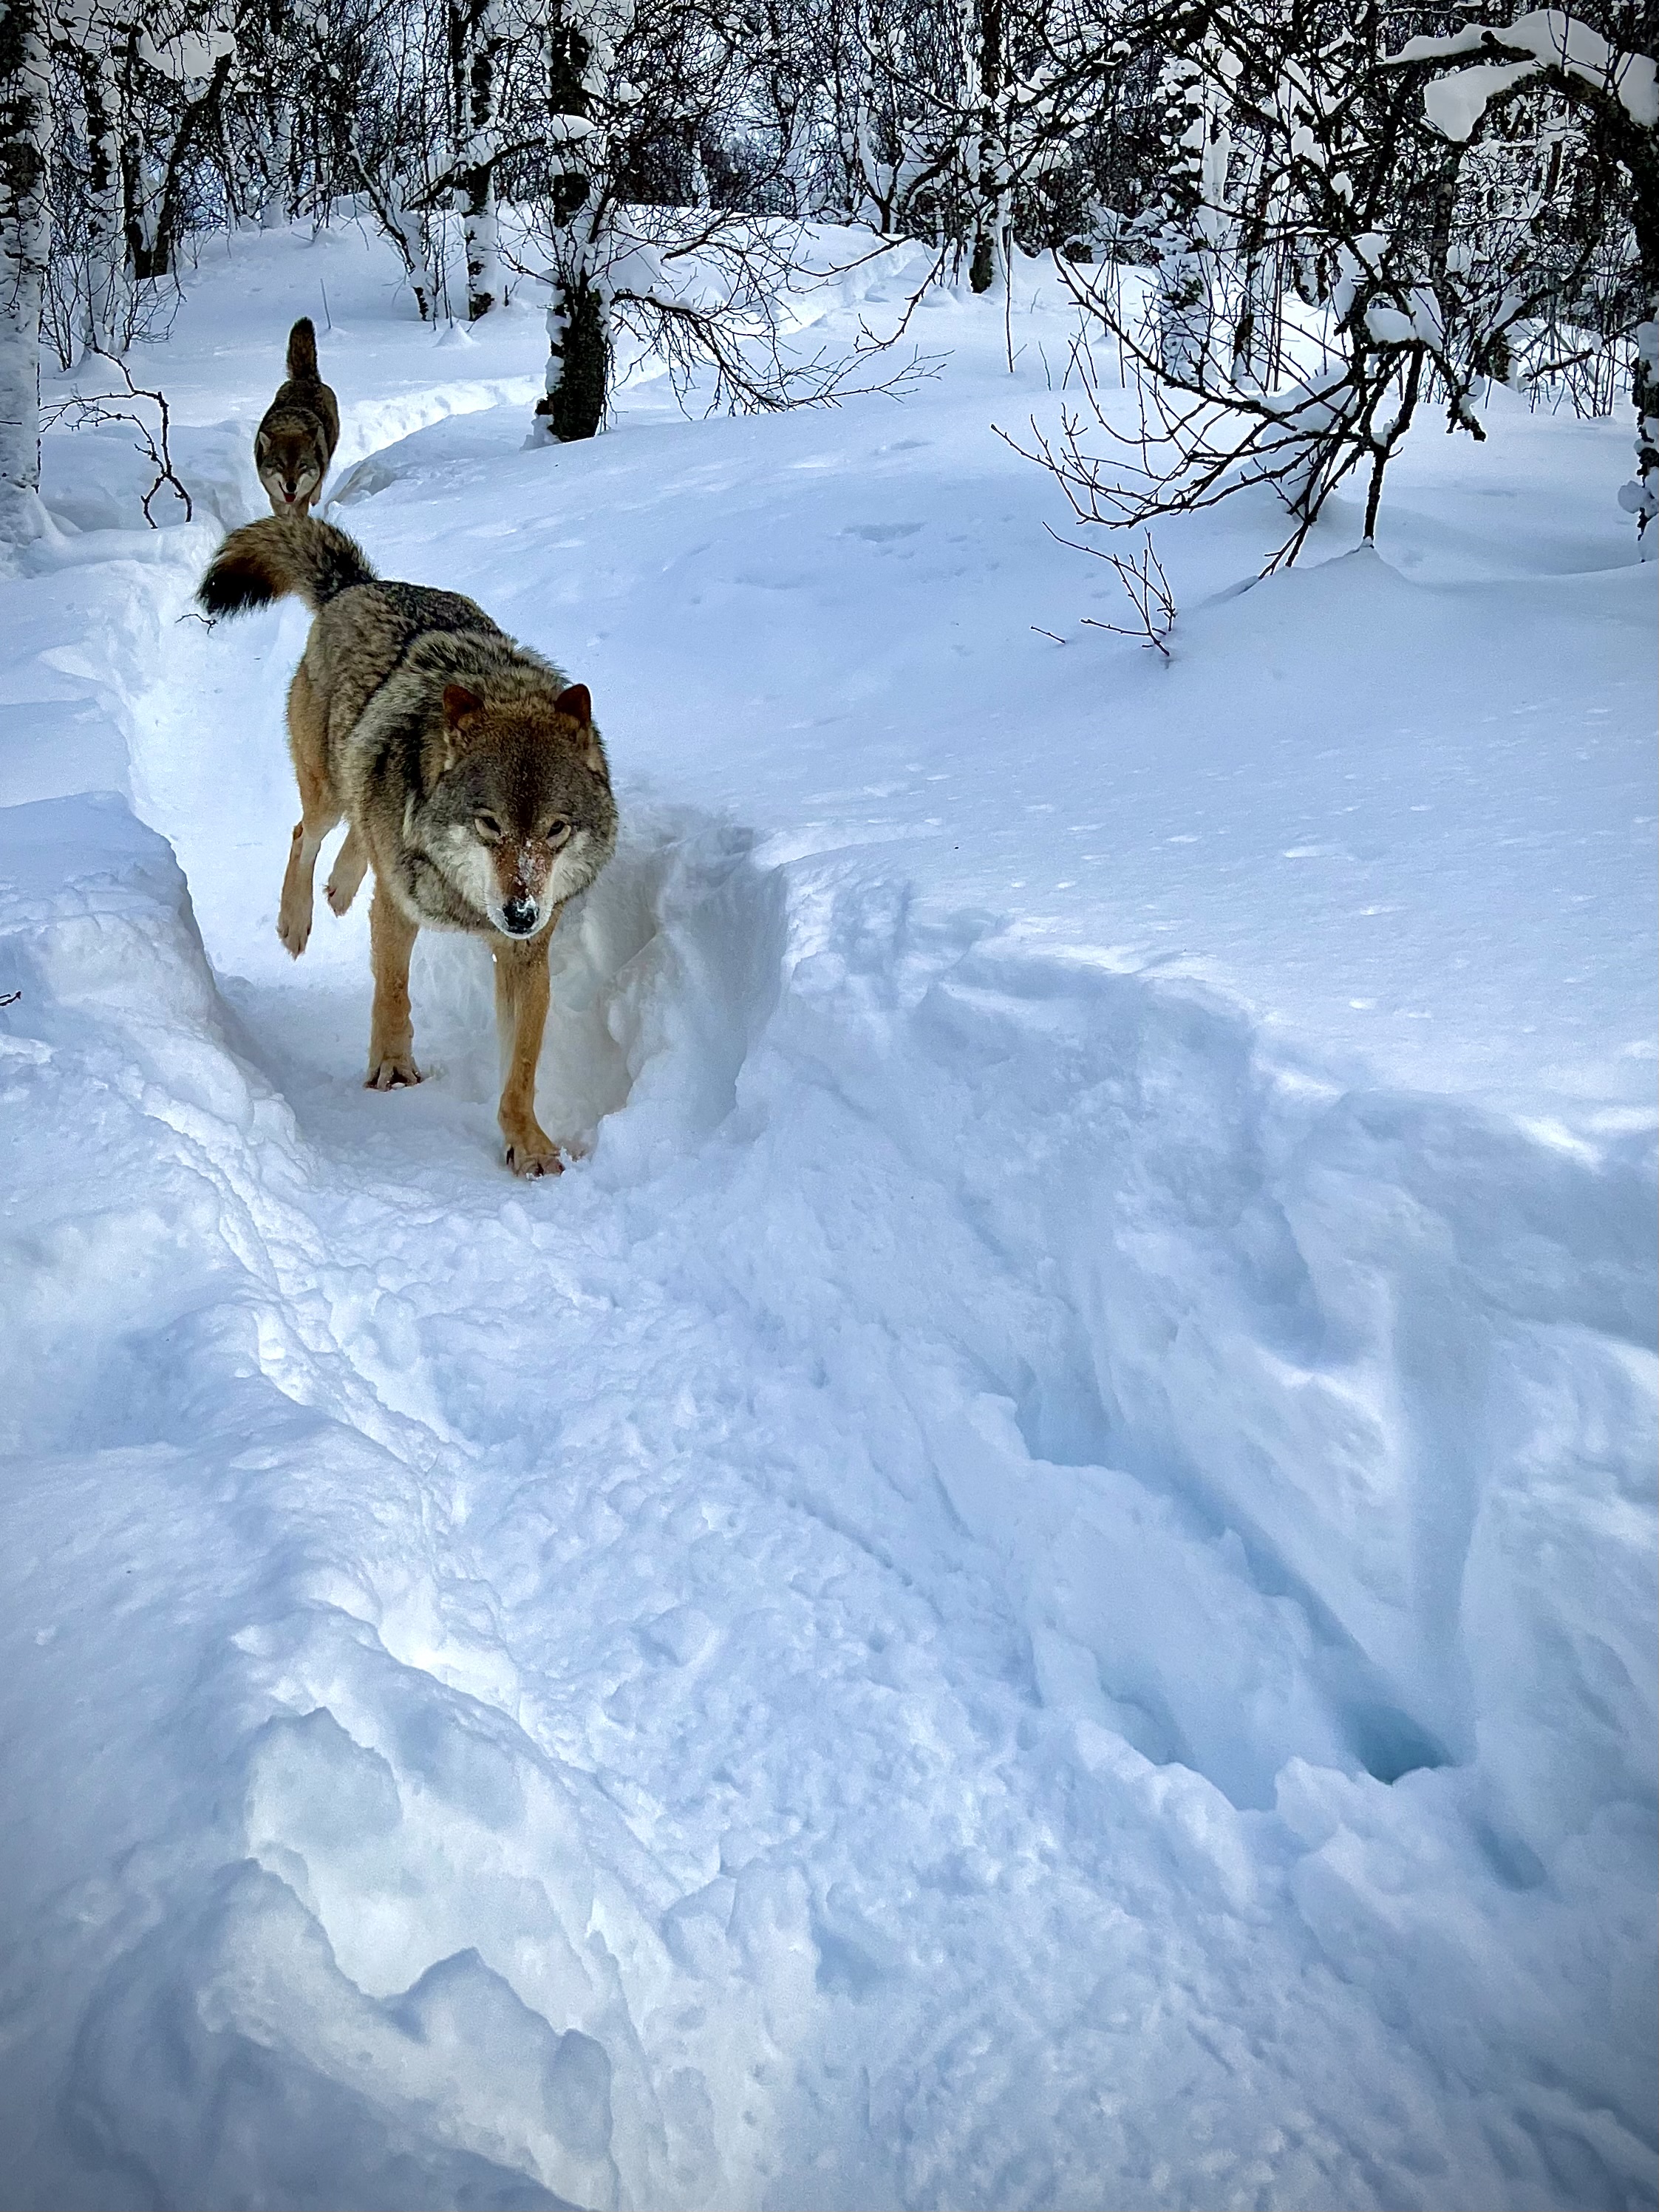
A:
(1003, 1598)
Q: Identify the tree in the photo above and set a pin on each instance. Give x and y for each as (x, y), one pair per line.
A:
(1299, 145)
(1611, 92)
(639, 84)
(26, 130)
(178, 71)
(477, 40)
(97, 41)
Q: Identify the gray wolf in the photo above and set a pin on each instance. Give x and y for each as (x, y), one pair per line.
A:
(470, 772)
(298, 433)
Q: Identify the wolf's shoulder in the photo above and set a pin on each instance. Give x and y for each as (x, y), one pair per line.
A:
(291, 410)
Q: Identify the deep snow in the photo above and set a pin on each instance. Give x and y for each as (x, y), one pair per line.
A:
(1034, 1586)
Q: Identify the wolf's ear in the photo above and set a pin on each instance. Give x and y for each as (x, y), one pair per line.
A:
(578, 704)
(460, 705)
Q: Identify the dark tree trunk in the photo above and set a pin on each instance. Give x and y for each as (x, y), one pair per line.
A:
(579, 369)
(990, 198)
(152, 248)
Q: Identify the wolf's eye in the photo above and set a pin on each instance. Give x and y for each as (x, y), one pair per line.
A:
(488, 828)
(557, 831)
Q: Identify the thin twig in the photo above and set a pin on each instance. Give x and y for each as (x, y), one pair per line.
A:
(93, 409)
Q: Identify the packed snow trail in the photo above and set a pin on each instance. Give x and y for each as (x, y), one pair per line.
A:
(1011, 1596)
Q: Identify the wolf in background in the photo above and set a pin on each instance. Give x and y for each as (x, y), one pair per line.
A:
(298, 432)
(470, 772)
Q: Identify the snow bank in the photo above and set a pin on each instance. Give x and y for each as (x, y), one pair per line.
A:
(1236, 1502)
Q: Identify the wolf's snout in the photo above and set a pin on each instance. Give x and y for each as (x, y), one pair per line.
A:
(519, 916)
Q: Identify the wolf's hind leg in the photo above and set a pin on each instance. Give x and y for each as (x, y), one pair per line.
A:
(319, 810)
(349, 864)
(521, 995)
(390, 1032)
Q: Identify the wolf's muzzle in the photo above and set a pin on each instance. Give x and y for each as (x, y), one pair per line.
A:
(519, 916)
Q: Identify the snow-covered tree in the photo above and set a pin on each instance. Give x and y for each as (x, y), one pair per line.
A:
(478, 32)
(98, 38)
(630, 250)
(1334, 253)
(1334, 224)
(181, 62)
(1611, 93)
(26, 127)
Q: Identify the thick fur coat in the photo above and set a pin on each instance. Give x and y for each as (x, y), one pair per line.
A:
(299, 431)
(470, 771)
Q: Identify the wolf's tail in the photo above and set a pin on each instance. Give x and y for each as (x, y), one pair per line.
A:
(302, 348)
(266, 560)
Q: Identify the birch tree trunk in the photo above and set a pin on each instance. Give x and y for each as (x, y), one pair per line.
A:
(275, 140)
(988, 265)
(25, 237)
(1639, 148)
(578, 360)
(854, 112)
(579, 354)
(279, 161)
(104, 309)
(1184, 305)
(477, 36)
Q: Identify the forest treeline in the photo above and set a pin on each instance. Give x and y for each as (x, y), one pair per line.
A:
(1299, 223)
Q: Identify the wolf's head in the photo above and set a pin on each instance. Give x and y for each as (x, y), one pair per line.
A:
(289, 457)
(522, 818)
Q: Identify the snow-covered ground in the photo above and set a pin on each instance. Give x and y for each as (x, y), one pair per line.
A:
(1034, 1586)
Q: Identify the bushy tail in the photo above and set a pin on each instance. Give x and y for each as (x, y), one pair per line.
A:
(265, 561)
(302, 348)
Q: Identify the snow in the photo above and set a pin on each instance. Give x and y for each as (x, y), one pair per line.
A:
(1034, 1586)
(1455, 104)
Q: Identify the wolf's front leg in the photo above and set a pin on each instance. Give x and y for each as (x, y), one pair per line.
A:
(294, 914)
(521, 993)
(391, 1033)
(319, 810)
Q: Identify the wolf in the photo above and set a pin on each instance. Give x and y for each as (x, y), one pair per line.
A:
(298, 433)
(468, 769)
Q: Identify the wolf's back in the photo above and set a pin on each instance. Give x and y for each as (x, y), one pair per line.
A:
(266, 560)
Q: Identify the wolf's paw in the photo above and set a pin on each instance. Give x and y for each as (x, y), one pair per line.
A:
(529, 1152)
(393, 1071)
(295, 929)
(350, 864)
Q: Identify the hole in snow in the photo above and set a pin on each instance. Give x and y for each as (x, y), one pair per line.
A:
(1389, 1743)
